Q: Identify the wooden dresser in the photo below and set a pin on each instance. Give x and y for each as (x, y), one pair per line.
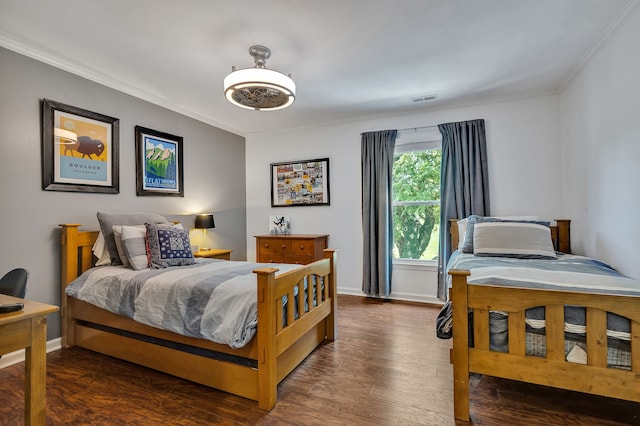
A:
(291, 248)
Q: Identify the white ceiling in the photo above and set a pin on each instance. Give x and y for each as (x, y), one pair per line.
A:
(349, 58)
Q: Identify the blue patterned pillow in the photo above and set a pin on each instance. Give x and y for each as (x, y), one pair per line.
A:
(168, 245)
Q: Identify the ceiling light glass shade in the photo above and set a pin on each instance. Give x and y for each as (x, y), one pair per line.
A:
(259, 88)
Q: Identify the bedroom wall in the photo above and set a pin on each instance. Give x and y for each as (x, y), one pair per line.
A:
(601, 139)
(523, 140)
(214, 173)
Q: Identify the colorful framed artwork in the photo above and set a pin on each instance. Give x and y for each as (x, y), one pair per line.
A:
(158, 163)
(300, 183)
(79, 150)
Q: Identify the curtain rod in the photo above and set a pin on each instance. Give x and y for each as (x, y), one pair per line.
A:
(418, 128)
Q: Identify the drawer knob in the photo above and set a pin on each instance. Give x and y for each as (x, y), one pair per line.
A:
(301, 246)
(266, 244)
(284, 246)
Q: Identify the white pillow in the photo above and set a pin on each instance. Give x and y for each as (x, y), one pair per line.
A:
(524, 240)
(100, 251)
(462, 231)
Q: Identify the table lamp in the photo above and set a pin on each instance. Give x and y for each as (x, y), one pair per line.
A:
(205, 221)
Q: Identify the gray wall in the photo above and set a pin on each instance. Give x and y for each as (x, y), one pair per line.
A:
(214, 175)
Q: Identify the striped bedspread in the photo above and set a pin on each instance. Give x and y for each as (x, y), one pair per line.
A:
(567, 272)
(212, 299)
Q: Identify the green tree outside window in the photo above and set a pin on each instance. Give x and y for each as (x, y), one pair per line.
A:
(416, 204)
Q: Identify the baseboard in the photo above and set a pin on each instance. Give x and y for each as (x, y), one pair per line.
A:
(18, 356)
(407, 297)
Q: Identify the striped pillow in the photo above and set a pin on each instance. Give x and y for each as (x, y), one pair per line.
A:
(134, 245)
(467, 245)
(513, 239)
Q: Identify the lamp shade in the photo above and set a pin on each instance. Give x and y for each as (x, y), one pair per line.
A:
(205, 221)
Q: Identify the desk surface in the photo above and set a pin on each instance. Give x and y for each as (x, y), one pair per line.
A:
(31, 309)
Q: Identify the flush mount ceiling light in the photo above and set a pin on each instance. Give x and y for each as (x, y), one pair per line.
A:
(259, 88)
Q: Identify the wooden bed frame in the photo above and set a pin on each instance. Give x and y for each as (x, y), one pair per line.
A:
(553, 370)
(272, 354)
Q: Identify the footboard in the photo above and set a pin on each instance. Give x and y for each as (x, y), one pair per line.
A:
(285, 340)
(553, 369)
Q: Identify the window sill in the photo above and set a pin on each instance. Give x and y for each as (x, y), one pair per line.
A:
(419, 265)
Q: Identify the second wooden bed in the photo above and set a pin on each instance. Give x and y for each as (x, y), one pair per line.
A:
(553, 369)
(253, 371)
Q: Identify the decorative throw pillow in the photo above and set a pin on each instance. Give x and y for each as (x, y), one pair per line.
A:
(134, 245)
(167, 245)
(513, 239)
(467, 246)
(107, 220)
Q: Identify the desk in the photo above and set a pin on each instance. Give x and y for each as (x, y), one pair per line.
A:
(27, 329)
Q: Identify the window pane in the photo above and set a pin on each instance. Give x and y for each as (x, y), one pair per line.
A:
(416, 175)
(416, 178)
(416, 232)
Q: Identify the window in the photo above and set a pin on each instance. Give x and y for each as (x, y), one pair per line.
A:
(416, 198)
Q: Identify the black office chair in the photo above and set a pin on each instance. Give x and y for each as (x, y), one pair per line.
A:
(14, 283)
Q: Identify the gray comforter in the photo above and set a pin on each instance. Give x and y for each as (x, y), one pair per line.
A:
(212, 299)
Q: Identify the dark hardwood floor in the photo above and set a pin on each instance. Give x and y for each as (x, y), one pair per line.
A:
(386, 368)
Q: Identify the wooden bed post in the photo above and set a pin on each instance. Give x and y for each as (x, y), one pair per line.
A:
(564, 236)
(68, 272)
(267, 350)
(460, 345)
(332, 320)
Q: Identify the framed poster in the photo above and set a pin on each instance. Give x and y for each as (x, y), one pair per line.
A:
(79, 149)
(158, 163)
(300, 183)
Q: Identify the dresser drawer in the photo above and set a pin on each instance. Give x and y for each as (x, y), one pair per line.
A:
(271, 258)
(275, 245)
(299, 259)
(303, 247)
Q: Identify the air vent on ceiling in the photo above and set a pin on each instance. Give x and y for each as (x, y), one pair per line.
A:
(423, 98)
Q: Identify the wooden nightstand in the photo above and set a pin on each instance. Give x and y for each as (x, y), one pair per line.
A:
(214, 254)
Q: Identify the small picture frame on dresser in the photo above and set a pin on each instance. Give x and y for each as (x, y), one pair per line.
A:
(279, 225)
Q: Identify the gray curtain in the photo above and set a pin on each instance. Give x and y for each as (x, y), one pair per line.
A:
(377, 222)
(464, 183)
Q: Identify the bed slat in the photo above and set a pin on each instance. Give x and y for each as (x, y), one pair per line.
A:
(596, 337)
(554, 330)
(635, 346)
(481, 329)
(310, 289)
(517, 341)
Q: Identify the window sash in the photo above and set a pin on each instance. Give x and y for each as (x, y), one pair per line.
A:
(417, 203)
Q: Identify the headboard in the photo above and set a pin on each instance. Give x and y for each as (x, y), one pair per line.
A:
(560, 234)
